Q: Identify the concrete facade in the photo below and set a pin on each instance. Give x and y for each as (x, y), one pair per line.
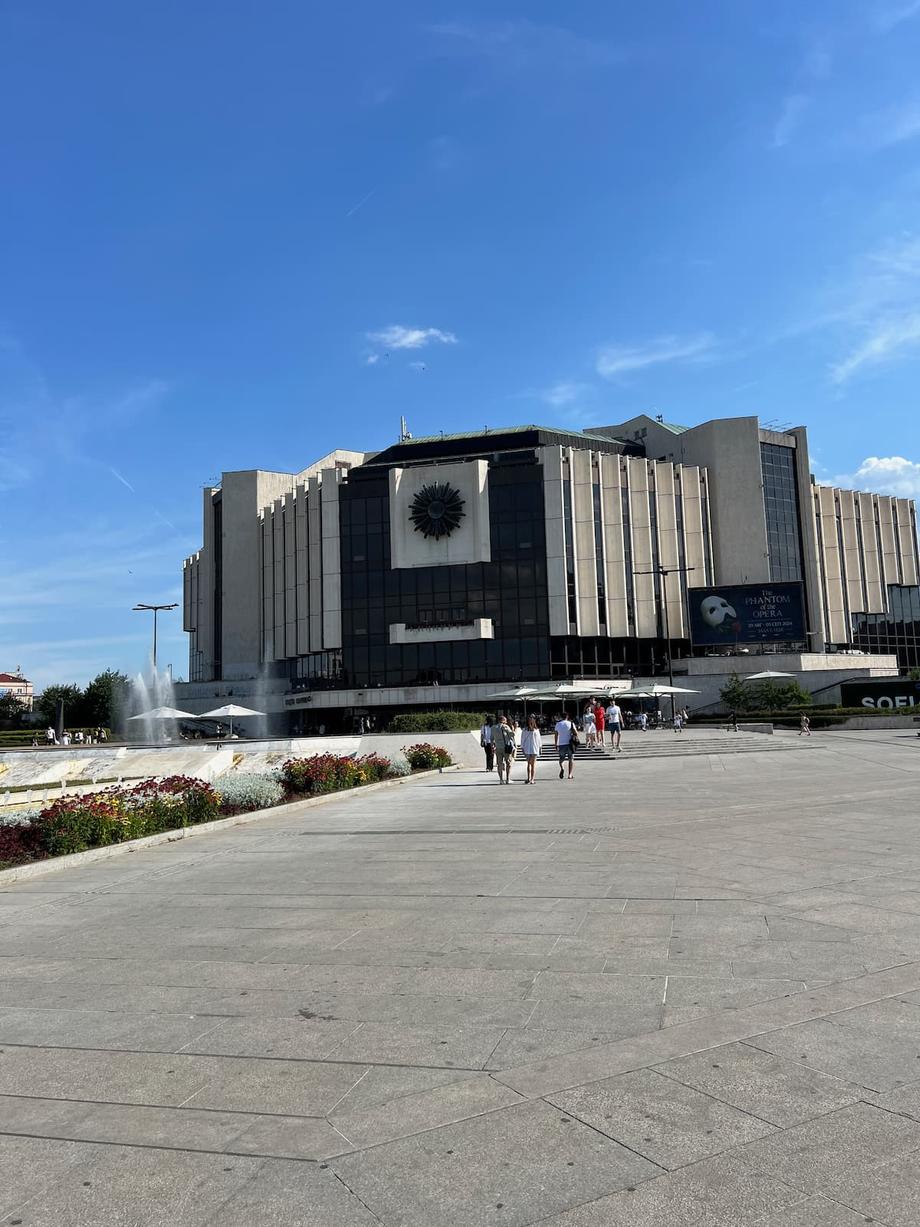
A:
(571, 555)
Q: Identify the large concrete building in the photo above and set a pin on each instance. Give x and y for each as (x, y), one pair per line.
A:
(474, 561)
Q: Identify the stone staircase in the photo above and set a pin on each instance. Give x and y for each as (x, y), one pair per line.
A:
(665, 743)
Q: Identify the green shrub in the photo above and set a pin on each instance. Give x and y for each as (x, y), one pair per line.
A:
(437, 722)
(424, 756)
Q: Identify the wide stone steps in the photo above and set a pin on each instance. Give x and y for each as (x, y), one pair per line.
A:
(668, 744)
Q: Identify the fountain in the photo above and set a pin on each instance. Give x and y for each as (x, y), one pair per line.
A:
(145, 693)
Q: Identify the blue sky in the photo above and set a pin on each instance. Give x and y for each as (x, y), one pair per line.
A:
(237, 235)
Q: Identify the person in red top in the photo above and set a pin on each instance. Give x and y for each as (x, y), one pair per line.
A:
(599, 719)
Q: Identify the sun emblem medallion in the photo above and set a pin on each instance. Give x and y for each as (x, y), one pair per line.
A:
(436, 510)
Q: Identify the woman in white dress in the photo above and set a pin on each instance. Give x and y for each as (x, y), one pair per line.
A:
(531, 745)
(590, 728)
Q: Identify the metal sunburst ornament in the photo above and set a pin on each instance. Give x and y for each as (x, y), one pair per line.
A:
(436, 510)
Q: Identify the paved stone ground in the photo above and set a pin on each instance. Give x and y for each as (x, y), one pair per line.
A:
(676, 992)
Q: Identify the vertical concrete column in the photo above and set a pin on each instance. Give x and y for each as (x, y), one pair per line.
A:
(551, 460)
(585, 552)
(889, 543)
(852, 555)
(644, 585)
(811, 565)
(332, 555)
(278, 576)
(614, 555)
(871, 559)
(836, 630)
(290, 577)
(315, 551)
(694, 549)
(268, 585)
(668, 551)
(907, 540)
(206, 586)
(301, 569)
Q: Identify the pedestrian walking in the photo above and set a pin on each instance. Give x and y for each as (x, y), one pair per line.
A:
(485, 740)
(600, 723)
(566, 739)
(503, 740)
(614, 716)
(50, 738)
(733, 720)
(587, 722)
(678, 721)
(804, 725)
(531, 745)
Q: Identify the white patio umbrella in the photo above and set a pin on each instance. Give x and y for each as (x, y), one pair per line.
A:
(765, 676)
(518, 692)
(228, 712)
(164, 713)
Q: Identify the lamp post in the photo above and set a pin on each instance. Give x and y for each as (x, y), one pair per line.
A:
(154, 609)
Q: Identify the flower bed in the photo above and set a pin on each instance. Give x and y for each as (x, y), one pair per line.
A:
(324, 773)
(425, 757)
(113, 815)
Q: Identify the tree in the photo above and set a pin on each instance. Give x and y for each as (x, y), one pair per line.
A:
(11, 707)
(735, 694)
(104, 699)
(46, 703)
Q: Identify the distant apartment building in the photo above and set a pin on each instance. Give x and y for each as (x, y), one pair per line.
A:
(18, 686)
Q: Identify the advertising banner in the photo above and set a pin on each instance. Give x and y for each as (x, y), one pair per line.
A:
(746, 613)
(882, 694)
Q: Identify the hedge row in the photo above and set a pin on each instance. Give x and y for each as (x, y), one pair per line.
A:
(437, 721)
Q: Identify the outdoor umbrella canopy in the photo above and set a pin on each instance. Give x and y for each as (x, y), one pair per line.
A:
(227, 712)
(765, 676)
(519, 692)
(164, 713)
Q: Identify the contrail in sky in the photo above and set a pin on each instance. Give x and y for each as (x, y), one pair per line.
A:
(361, 203)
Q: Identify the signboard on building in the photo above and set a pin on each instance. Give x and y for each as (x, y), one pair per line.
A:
(746, 613)
(881, 694)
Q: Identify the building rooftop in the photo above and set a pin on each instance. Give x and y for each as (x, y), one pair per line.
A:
(491, 439)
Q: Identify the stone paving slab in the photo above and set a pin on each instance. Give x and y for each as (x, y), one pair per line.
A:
(695, 1000)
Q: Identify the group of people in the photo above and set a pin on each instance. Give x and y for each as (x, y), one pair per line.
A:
(81, 737)
(503, 739)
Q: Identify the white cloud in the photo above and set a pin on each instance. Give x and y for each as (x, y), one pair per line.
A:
(397, 336)
(794, 106)
(889, 340)
(890, 15)
(526, 45)
(893, 125)
(565, 392)
(616, 360)
(877, 309)
(884, 475)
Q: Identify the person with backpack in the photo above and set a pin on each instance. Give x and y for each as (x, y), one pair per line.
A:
(566, 739)
(503, 741)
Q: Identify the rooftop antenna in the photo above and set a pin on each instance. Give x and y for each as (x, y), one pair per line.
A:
(404, 434)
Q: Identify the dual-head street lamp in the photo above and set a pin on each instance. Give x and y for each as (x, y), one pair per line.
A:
(154, 609)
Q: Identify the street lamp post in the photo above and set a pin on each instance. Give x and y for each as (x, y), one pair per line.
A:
(154, 609)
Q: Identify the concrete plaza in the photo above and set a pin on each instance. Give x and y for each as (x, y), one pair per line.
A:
(672, 991)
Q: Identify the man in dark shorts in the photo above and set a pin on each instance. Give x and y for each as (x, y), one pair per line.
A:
(566, 737)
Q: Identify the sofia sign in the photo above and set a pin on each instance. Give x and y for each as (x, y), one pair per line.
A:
(891, 694)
